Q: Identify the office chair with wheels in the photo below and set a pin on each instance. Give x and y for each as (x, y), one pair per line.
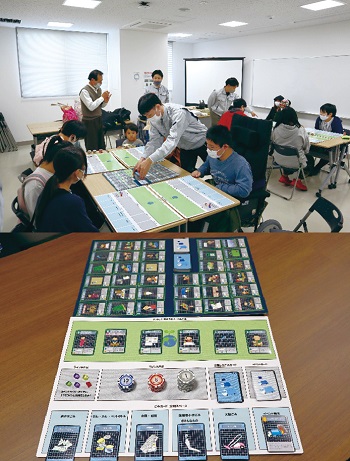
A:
(251, 139)
(287, 159)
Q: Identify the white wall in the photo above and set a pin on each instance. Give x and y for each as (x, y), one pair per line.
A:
(180, 51)
(329, 39)
(19, 112)
(140, 52)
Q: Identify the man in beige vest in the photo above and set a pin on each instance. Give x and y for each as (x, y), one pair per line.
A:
(93, 100)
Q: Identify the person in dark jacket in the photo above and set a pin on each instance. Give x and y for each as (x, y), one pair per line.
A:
(326, 121)
(276, 107)
(59, 210)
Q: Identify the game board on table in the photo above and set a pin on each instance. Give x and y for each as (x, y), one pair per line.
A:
(221, 373)
(170, 277)
(101, 162)
(125, 179)
(137, 210)
(317, 136)
(192, 197)
(129, 157)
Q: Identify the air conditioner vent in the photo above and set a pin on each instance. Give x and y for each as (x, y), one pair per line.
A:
(150, 25)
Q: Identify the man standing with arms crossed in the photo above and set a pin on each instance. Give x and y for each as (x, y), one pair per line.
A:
(93, 100)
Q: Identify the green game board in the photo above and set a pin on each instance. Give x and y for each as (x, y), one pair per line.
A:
(110, 162)
(154, 206)
(126, 157)
(170, 330)
(181, 203)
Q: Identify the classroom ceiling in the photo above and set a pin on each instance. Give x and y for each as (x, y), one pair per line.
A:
(201, 18)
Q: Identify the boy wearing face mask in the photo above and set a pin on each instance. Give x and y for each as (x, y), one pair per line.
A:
(230, 171)
(157, 88)
(326, 121)
(276, 107)
(71, 131)
(93, 100)
(171, 126)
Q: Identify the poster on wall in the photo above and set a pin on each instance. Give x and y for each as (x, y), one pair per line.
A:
(147, 80)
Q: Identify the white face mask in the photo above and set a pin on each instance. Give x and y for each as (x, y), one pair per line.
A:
(214, 153)
(323, 117)
(97, 86)
(277, 103)
(155, 117)
(82, 178)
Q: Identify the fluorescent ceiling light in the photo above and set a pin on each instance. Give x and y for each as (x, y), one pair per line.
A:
(233, 24)
(59, 24)
(317, 6)
(180, 35)
(82, 3)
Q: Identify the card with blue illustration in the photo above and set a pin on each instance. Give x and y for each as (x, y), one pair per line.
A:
(228, 387)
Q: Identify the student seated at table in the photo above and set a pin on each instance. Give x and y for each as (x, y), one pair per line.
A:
(326, 121)
(71, 131)
(34, 184)
(230, 171)
(289, 132)
(238, 107)
(283, 104)
(58, 209)
(131, 140)
(275, 108)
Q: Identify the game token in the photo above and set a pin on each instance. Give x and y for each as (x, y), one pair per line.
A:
(185, 380)
(126, 382)
(156, 382)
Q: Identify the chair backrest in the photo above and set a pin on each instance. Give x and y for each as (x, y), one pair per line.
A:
(21, 215)
(286, 156)
(251, 139)
(329, 212)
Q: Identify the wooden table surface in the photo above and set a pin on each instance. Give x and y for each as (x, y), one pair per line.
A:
(304, 278)
(97, 184)
(42, 128)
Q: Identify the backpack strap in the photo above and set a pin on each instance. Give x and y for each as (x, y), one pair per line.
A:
(20, 193)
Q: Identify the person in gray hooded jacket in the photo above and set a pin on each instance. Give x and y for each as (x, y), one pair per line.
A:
(289, 132)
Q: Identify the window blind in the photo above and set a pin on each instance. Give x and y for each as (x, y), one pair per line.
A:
(170, 66)
(57, 63)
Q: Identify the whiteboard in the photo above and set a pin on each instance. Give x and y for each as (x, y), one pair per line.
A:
(308, 82)
(203, 75)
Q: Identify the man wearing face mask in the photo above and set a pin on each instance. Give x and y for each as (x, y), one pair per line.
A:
(157, 88)
(171, 126)
(230, 171)
(220, 100)
(93, 100)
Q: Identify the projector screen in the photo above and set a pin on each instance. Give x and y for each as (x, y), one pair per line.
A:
(203, 75)
(308, 82)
